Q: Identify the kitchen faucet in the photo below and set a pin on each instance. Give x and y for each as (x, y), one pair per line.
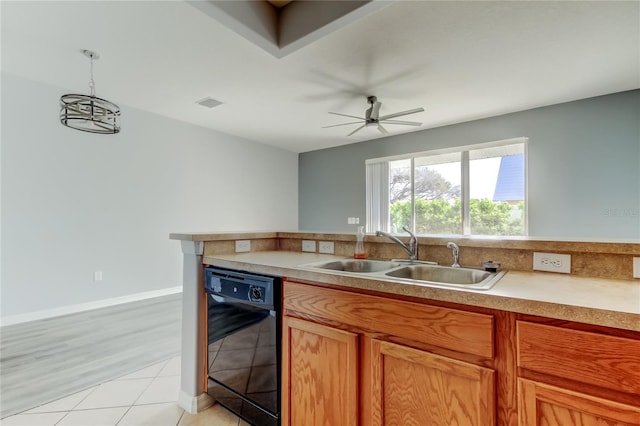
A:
(411, 249)
(455, 250)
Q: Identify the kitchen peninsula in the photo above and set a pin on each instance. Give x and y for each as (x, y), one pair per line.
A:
(531, 340)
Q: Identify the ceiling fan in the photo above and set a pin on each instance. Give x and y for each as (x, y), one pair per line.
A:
(372, 117)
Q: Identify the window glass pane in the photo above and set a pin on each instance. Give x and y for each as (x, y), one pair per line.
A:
(400, 187)
(424, 192)
(437, 194)
(497, 188)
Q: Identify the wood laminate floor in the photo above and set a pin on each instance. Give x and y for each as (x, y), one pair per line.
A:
(44, 360)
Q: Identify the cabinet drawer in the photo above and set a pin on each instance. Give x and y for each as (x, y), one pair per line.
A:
(592, 358)
(457, 330)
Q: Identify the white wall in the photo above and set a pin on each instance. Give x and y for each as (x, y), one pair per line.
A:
(74, 202)
(583, 168)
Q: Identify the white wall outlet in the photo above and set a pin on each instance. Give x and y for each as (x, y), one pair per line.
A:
(552, 262)
(243, 246)
(636, 267)
(309, 245)
(326, 247)
(97, 276)
(353, 220)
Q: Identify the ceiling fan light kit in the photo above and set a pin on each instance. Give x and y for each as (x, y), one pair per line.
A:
(88, 112)
(372, 117)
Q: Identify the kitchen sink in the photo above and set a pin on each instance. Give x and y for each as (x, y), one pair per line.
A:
(426, 273)
(446, 275)
(356, 265)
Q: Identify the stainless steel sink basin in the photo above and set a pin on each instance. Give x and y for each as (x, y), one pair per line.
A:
(440, 274)
(413, 273)
(356, 265)
(446, 275)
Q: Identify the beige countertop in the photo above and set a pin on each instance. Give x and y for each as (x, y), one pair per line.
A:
(612, 303)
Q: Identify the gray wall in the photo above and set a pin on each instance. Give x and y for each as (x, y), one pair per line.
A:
(583, 175)
(74, 202)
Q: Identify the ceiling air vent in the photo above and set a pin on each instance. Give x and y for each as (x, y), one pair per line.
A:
(209, 102)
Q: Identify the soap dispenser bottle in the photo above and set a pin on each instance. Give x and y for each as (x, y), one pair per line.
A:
(359, 251)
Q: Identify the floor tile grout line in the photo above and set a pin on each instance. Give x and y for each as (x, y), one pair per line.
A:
(101, 408)
(121, 418)
(62, 418)
(153, 379)
(25, 412)
(87, 396)
(142, 393)
(124, 380)
(123, 415)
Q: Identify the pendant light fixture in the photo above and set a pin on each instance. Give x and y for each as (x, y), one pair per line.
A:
(89, 113)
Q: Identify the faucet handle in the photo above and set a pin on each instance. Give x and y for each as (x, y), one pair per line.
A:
(413, 237)
(413, 244)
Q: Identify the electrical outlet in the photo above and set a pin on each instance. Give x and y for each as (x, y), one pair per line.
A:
(309, 245)
(325, 247)
(243, 246)
(552, 262)
(353, 220)
(636, 267)
(97, 276)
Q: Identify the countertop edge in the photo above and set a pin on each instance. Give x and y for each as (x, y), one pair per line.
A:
(222, 236)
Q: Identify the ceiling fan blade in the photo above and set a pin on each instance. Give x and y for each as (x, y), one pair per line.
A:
(382, 129)
(359, 128)
(406, 123)
(398, 114)
(346, 115)
(343, 124)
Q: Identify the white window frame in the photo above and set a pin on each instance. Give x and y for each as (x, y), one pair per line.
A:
(377, 184)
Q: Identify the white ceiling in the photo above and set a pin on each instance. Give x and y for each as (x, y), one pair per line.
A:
(459, 60)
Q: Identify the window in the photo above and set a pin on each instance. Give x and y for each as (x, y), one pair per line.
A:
(476, 190)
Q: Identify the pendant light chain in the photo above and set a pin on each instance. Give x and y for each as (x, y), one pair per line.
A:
(92, 83)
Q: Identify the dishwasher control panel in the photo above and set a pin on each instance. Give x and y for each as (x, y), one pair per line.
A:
(240, 286)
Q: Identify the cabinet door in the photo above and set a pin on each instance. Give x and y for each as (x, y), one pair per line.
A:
(545, 405)
(410, 387)
(319, 375)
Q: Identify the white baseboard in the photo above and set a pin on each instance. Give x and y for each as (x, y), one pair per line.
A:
(72, 309)
(194, 404)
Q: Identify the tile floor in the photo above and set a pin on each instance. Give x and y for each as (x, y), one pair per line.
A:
(146, 397)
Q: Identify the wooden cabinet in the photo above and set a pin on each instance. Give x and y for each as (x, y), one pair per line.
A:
(545, 405)
(369, 360)
(350, 361)
(592, 374)
(414, 387)
(320, 375)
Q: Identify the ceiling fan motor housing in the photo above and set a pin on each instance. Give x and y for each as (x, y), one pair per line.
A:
(372, 117)
(373, 112)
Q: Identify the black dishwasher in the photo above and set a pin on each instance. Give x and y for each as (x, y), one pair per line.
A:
(244, 339)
